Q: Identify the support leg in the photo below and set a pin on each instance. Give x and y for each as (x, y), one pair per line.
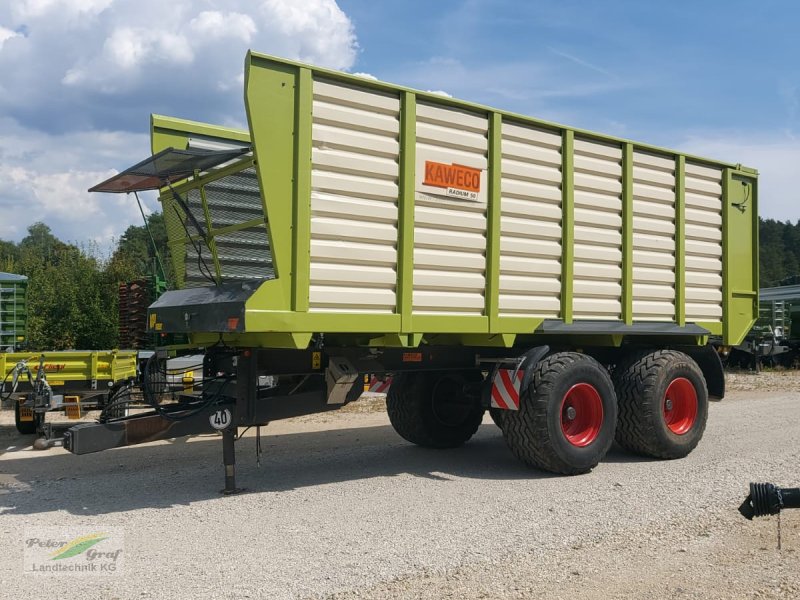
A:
(229, 459)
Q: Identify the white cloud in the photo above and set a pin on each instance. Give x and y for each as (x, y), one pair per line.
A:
(61, 201)
(775, 158)
(46, 177)
(27, 9)
(6, 34)
(440, 93)
(95, 70)
(332, 34)
(113, 54)
(213, 24)
(366, 76)
(125, 52)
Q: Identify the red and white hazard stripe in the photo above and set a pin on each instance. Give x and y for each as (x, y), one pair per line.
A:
(379, 386)
(505, 389)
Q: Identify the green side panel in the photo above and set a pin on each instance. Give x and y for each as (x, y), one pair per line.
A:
(272, 320)
(169, 132)
(493, 221)
(287, 340)
(714, 327)
(405, 251)
(567, 222)
(451, 324)
(301, 229)
(13, 311)
(627, 233)
(739, 254)
(680, 240)
(520, 325)
(173, 219)
(271, 102)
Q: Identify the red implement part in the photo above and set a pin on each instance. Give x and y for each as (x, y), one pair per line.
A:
(581, 414)
(680, 406)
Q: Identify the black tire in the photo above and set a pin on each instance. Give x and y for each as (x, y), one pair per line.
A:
(118, 403)
(434, 409)
(539, 432)
(24, 427)
(497, 415)
(644, 424)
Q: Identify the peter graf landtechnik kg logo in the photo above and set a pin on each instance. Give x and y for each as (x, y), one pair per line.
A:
(69, 550)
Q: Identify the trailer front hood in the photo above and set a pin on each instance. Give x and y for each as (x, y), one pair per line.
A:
(207, 309)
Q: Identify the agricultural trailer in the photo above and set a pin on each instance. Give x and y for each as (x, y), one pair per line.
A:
(564, 280)
(67, 381)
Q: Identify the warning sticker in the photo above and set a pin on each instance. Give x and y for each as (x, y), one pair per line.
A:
(456, 181)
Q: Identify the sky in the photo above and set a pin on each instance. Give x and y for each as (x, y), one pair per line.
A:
(79, 79)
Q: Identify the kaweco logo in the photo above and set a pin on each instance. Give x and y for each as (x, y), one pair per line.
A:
(458, 181)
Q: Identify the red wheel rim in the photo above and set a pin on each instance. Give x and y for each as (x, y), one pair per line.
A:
(680, 406)
(581, 414)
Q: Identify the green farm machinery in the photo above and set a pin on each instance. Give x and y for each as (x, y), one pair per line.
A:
(568, 282)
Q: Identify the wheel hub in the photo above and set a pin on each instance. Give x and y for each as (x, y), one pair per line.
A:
(581, 414)
(680, 406)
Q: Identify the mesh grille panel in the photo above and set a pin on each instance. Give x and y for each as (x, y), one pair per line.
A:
(243, 254)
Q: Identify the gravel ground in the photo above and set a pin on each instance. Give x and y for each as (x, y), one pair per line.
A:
(341, 507)
(777, 380)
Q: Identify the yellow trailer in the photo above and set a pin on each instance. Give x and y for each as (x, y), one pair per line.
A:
(68, 381)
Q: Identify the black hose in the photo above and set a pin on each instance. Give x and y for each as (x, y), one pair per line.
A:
(10, 391)
(768, 499)
(192, 408)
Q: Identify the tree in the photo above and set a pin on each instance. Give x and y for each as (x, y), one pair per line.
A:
(8, 256)
(70, 301)
(135, 250)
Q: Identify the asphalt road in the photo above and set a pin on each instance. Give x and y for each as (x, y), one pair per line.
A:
(342, 506)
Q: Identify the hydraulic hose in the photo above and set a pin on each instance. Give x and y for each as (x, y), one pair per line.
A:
(768, 499)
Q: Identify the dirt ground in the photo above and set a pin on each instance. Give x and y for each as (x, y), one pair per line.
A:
(342, 508)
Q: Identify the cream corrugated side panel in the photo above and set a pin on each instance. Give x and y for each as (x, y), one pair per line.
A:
(653, 237)
(530, 222)
(597, 285)
(450, 211)
(703, 243)
(354, 195)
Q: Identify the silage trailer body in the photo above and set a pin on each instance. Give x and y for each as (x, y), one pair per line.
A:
(361, 227)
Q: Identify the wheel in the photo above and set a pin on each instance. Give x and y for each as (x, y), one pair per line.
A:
(118, 403)
(24, 427)
(435, 409)
(497, 415)
(663, 404)
(567, 415)
(155, 383)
